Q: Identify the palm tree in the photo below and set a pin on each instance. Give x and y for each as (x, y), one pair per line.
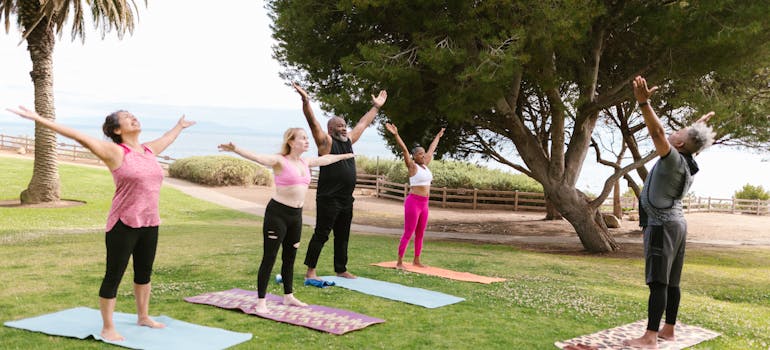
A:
(40, 21)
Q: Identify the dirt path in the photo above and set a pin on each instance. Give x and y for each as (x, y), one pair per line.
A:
(703, 227)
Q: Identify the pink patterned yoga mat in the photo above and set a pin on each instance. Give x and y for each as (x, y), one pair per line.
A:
(439, 272)
(613, 338)
(322, 318)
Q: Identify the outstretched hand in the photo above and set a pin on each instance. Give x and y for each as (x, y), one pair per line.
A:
(300, 91)
(392, 128)
(440, 132)
(24, 113)
(185, 123)
(227, 147)
(380, 99)
(705, 118)
(641, 92)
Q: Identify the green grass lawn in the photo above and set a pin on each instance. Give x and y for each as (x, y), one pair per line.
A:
(53, 259)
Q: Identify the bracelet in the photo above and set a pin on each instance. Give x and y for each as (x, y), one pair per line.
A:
(642, 104)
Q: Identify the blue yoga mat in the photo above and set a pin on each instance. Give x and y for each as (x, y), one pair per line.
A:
(394, 291)
(83, 322)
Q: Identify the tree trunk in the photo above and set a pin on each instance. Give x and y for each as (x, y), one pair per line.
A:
(586, 220)
(44, 185)
(617, 208)
(551, 213)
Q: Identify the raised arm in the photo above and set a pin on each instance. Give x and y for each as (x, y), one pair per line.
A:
(268, 160)
(433, 145)
(368, 118)
(407, 157)
(109, 152)
(160, 144)
(322, 139)
(328, 159)
(654, 126)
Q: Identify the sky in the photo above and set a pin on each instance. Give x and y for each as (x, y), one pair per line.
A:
(191, 53)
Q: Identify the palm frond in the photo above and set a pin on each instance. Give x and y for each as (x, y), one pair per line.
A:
(6, 8)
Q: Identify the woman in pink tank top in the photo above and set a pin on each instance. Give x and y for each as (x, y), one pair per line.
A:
(132, 224)
(282, 226)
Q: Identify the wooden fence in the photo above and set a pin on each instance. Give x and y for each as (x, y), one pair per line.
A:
(442, 196)
(72, 152)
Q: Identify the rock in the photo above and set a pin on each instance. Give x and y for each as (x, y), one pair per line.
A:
(611, 221)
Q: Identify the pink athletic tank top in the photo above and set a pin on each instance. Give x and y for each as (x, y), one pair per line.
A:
(290, 175)
(137, 190)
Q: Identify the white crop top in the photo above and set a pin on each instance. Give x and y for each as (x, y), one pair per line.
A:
(423, 177)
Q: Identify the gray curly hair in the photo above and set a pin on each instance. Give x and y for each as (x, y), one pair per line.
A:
(699, 137)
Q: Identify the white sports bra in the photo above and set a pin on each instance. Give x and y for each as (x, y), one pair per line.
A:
(423, 177)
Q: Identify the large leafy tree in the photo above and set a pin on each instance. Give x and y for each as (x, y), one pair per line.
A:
(40, 21)
(534, 76)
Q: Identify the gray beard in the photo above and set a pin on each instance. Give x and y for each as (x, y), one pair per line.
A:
(340, 138)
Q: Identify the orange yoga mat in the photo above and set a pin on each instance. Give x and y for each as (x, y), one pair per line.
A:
(435, 271)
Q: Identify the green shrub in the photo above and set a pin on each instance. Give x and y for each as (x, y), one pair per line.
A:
(752, 192)
(452, 174)
(220, 171)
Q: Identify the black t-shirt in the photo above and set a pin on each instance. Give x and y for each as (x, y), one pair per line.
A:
(338, 179)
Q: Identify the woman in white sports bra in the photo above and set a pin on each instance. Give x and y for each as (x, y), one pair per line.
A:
(282, 225)
(416, 203)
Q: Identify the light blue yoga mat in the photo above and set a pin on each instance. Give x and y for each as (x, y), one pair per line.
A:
(394, 291)
(83, 322)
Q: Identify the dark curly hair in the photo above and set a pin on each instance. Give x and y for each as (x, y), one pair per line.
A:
(112, 123)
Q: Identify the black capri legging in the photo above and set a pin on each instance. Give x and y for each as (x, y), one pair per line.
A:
(122, 242)
(282, 228)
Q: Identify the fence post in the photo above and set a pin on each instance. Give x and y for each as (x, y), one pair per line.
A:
(475, 196)
(443, 197)
(757, 206)
(406, 189)
(708, 205)
(74, 152)
(377, 187)
(516, 201)
(732, 207)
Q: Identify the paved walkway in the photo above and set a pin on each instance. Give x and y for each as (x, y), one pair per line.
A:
(213, 196)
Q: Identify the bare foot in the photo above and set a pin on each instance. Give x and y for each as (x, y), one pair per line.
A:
(416, 262)
(642, 342)
(148, 322)
(261, 307)
(667, 333)
(289, 299)
(111, 334)
(400, 266)
(310, 274)
(346, 274)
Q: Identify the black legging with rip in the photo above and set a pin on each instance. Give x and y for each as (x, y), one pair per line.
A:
(282, 227)
(122, 242)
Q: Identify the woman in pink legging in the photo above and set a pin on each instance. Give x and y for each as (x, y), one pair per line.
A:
(416, 203)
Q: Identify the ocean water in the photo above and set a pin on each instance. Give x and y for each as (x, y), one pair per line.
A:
(260, 131)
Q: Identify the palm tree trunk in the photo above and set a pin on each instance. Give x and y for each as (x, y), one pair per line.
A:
(44, 185)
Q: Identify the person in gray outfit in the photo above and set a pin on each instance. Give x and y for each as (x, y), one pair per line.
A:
(661, 214)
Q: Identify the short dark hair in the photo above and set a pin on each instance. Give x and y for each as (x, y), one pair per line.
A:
(112, 123)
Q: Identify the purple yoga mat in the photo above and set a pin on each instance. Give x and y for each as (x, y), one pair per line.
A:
(322, 318)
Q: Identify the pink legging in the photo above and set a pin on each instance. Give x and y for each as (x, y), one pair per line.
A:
(415, 221)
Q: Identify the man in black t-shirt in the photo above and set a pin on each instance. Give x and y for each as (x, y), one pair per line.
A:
(336, 182)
